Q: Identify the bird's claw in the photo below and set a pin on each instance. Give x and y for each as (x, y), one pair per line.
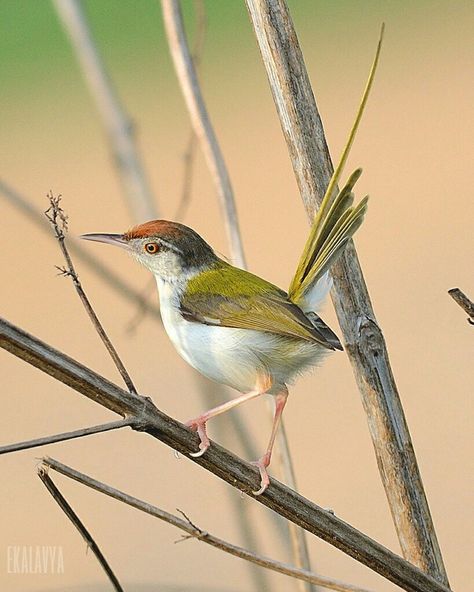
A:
(199, 426)
(262, 464)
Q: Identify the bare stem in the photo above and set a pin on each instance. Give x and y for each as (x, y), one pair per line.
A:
(365, 345)
(58, 220)
(116, 122)
(464, 302)
(52, 439)
(201, 122)
(193, 531)
(74, 518)
(241, 475)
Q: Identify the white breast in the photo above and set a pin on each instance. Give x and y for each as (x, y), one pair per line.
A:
(230, 356)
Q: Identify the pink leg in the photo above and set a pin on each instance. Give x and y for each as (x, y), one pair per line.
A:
(199, 423)
(263, 462)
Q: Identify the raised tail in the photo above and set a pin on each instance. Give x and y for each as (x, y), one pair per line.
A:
(336, 220)
(334, 224)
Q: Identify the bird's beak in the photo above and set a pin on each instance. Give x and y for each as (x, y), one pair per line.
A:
(111, 239)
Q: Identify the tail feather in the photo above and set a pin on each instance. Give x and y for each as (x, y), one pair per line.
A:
(335, 223)
(337, 219)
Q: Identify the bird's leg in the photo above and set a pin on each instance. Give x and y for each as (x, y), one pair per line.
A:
(263, 462)
(199, 423)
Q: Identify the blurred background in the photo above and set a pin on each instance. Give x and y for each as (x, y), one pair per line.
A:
(415, 146)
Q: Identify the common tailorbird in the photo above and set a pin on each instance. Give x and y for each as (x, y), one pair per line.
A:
(235, 327)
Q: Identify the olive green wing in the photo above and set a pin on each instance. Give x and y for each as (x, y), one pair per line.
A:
(226, 296)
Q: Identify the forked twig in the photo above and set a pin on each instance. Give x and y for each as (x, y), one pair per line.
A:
(74, 518)
(53, 439)
(104, 273)
(193, 531)
(58, 220)
(467, 305)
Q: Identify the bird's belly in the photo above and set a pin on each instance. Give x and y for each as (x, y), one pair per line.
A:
(238, 357)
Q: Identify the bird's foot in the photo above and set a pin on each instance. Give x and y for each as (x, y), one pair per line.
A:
(262, 464)
(199, 425)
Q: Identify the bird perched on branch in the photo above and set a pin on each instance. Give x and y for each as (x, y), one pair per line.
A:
(235, 327)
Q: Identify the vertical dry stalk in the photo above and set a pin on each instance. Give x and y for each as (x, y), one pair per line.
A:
(201, 122)
(186, 72)
(365, 344)
(116, 122)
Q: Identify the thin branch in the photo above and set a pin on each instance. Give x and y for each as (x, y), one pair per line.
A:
(217, 460)
(52, 439)
(187, 76)
(200, 120)
(365, 345)
(58, 220)
(74, 518)
(103, 272)
(116, 122)
(193, 531)
(464, 302)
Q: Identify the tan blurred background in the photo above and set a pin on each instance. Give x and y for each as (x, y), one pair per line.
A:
(415, 145)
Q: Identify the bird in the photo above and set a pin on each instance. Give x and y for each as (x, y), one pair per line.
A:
(235, 327)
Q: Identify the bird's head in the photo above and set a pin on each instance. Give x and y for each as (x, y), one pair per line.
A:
(169, 250)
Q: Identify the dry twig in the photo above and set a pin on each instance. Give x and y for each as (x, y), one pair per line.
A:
(103, 272)
(58, 220)
(217, 460)
(467, 305)
(201, 122)
(98, 429)
(365, 345)
(193, 531)
(74, 518)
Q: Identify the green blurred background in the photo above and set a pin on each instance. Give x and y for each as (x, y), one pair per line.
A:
(415, 145)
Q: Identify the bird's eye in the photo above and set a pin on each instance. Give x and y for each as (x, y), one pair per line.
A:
(151, 248)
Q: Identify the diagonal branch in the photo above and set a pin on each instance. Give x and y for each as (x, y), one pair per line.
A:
(45, 440)
(467, 305)
(74, 518)
(193, 531)
(365, 345)
(116, 122)
(218, 460)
